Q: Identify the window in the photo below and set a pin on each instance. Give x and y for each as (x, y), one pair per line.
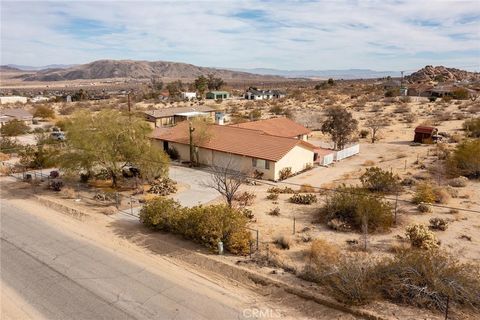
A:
(260, 163)
(254, 162)
(267, 164)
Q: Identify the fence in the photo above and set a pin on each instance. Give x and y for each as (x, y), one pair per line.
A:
(347, 152)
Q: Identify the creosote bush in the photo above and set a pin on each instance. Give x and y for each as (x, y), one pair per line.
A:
(206, 225)
(424, 193)
(351, 206)
(377, 180)
(272, 196)
(464, 160)
(279, 190)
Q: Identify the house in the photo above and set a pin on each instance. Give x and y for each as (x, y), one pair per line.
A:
(282, 127)
(218, 95)
(249, 150)
(188, 95)
(171, 116)
(7, 115)
(12, 99)
(424, 134)
(255, 94)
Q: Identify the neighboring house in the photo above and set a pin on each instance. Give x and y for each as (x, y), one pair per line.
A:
(17, 114)
(218, 95)
(248, 150)
(171, 116)
(188, 95)
(255, 94)
(282, 127)
(424, 134)
(12, 99)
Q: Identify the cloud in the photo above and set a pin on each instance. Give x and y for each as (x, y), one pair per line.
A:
(382, 35)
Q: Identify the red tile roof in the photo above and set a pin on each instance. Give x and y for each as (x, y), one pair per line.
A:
(240, 141)
(282, 127)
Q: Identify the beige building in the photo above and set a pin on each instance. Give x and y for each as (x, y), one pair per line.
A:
(168, 117)
(252, 151)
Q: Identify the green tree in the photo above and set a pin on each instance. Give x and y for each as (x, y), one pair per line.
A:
(175, 88)
(14, 128)
(41, 155)
(201, 85)
(110, 140)
(340, 125)
(464, 160)
(44, 112)
(215, 83)
(377, 180)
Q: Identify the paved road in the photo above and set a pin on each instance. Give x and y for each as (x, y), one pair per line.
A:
(197, 192)
(63, 276)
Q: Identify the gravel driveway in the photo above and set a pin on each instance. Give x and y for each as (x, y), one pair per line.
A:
(196, 193)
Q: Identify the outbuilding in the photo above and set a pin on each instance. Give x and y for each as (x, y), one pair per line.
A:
(218, 95)
(425, 134)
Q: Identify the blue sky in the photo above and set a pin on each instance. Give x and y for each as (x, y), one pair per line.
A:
(379, 35)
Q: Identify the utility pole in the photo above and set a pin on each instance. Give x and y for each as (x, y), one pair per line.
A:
(190, 131)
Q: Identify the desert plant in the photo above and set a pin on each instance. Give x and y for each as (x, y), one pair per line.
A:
(279, 190)
(421, 237)
(441, 195)
(9, 145)
(424, 207)
(55, 185)
(14, 128)
(274, 212)
(272, 196)
(458, 182)
(428, 278)
(353, 207)
(424, 193)
(472, 127)
(245, 198)
(340, 125)
(363, 133)
(283, 241)
(438, 224)
(464, 159)
(285, 173)
(308, 198)
(378, 180)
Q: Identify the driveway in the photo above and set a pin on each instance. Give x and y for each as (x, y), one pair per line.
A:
(196, 193)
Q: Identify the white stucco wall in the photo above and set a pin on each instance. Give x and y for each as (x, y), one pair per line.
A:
(298, 158)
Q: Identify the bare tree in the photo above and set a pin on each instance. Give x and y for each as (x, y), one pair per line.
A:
(376, 124)
(226, 178)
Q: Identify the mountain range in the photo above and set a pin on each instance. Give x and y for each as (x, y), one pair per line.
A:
(324, 74)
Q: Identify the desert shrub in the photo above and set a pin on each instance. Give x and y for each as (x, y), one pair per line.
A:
(420, 237)
(274, 212)
(464, 159)
(206, 225)
(55, 185)
(257, 174)
(363, 133)
(14, 128)
(44, 112)
(441, 195)
(272, 196)
(424, 207)
(104, 196)
(460, 94)
(245, 198)
(378, 180)
(424, 193)
(472, 127)
(173, 153)
(276, 109)
(285, 173)
(352, 205)
(368, 163)
(410, 117)
(248, 213)
(280, 190)
(352, 280)
(426, 278)
(307, 198)
(402, 108)
(9, 145)
(306, 188)
(408, 182)
(438, 224)
(283, 241)
(163, 186)
(458, 182)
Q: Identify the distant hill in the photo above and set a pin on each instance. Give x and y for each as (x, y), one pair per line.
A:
(441, 73)
(31, 68)
(335, 74)
(104, 69)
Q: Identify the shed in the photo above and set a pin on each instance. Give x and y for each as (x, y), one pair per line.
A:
(424, 134)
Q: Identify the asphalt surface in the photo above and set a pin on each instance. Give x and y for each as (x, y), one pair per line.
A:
(63, 276)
